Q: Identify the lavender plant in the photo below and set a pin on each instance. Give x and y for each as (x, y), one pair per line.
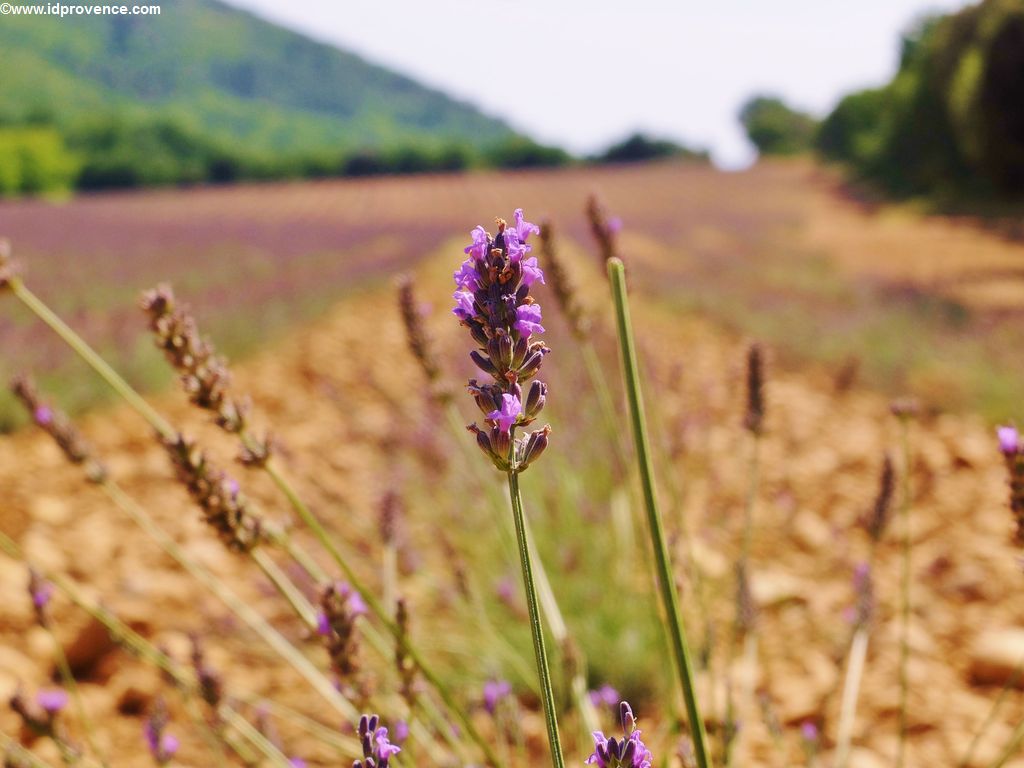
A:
(627, 752)
(136, 645)
(377, 748)
(206, 379)
(493, 302)
(604, 228)
(162, 745)
(340, 608)
(875, 524)
(1012, 448)
(574, 661)
(60, 427)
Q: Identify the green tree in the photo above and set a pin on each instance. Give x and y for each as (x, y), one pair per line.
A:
(33, 160)
(775, 128)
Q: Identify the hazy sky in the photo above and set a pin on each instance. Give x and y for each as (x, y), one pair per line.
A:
(582, 73)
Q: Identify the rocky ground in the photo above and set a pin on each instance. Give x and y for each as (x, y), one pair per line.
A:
(345, 399)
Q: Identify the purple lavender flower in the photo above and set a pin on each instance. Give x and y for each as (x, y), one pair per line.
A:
(466, 277)
(377, 750)
(629, 752)
(531, 271)
(401, 731)
(169, 744)
(323, 624)
(41, 591)
(162, 745)
(528, 319)
(494, 692)
(809, 732)
(297, 762)
(508, 414)
(52, 701)
(1009, 440)
(523, 228)
(494, 303)
(43, 415)
(463, 305)
(481, 243)
(382, 747)
(604, 696)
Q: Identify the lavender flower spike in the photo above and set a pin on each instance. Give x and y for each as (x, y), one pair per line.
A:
(628, 752)
(162, 746)
(493, 301)
(377, 749)
(1013, 453)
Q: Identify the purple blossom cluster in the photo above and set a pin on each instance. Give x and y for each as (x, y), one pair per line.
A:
(494, 692)
(40, 716)
(340, 606)
(162, 746)
(40, 590)
(627, 752)
(492, 299)
(1012, 448)
(377, 749)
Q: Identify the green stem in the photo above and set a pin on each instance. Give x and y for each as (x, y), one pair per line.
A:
(252, 734)
(378, 609)
(670, 601)
(125, 636)
(604, 397)
(89, 355)
(13, 750)
(905, 591)
(328, 735)
(543, 672)
(546, 595)
(851, 692)
(162, 426)
(239, 607)
(286, 588)
(1011, 748)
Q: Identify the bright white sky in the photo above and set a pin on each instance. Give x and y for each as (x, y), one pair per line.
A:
(582, 73)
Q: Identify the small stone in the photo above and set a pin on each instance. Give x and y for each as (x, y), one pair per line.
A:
(996, 656)
(88, 649)
(775, 588)
(51, 510)
(811, 532)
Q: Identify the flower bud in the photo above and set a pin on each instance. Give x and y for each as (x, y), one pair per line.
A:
(535, 399)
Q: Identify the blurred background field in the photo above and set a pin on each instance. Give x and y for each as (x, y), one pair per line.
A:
(913, 304)
(281, 185)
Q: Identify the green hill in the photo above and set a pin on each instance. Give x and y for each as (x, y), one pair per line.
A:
(226, 75)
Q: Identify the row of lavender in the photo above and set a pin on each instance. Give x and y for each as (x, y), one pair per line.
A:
(493, 302)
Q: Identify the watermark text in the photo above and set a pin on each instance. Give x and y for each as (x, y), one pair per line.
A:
(73, 9)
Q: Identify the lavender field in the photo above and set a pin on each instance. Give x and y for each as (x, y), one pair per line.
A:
(837, 613)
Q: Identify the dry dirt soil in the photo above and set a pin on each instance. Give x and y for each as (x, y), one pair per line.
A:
(337, 391)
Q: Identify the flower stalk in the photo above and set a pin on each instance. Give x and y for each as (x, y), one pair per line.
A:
(256, 454)
(493, 302)
(666, 582)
